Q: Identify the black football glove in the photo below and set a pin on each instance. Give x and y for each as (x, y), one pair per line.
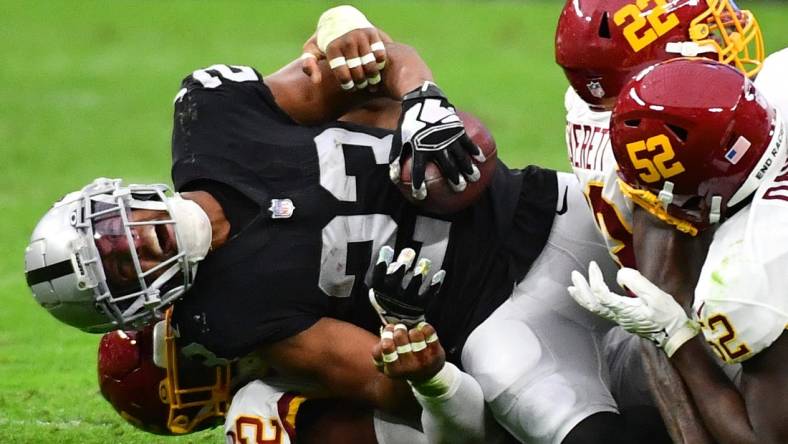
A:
(431, 129)
(394, 303)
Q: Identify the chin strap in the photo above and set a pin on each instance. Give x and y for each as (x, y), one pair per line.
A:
(657, 206)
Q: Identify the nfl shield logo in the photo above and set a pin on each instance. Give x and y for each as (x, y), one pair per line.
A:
(595, 88)
(281, 208)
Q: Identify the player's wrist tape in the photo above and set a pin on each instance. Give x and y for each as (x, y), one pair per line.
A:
(688, 330)
(425, 90)
(337, 22)
(443, 384)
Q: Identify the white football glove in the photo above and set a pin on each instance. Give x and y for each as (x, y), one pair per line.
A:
(653, 314)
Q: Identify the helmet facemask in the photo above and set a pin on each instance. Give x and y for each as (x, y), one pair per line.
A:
(145, 377)
(109, 228)
(198, 393)
(733, 33)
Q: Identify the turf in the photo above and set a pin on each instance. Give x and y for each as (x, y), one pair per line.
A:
(86, 90)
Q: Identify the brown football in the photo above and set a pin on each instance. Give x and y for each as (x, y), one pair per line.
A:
(440, 197)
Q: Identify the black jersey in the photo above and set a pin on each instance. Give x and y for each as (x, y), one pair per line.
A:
(324, 207)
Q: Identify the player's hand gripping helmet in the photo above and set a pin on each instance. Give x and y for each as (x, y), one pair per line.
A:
(602, 43)
(153, 387)
(692, 138)
(80, 264)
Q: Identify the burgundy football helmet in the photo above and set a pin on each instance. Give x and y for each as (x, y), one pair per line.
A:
(692, 138)
(602, 43)
(153, 387)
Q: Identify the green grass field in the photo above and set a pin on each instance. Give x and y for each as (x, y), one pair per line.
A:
(86, 90)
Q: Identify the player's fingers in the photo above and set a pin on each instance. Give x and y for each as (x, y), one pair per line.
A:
(635, 282)
(379, 50)
(420, 271)
(595, 278)
(463, 162)
(583, 293)
(430, 336)
(387, 339)
(411, 293)
(309, 60)
(401, 339)
(369, 59)
(338, 64)
(377, 356)
(394, 170)
(393, 279)
(417, 341)
(388, 349)
(404, 348)
(406, 256)
(472, 148)
(418, 187)
(385, 255)
(435, 286)
(449, 168)
(368, 65)
(351, 53)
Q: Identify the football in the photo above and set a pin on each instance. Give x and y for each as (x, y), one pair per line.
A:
(441, 199)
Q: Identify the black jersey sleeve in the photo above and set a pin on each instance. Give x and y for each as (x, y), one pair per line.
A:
(221, 113)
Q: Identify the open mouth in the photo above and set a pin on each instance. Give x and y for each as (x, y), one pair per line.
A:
(166, 240)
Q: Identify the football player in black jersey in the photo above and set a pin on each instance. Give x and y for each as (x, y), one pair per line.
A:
(283, 206)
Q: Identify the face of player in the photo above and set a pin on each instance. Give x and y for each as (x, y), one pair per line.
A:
(153, 243)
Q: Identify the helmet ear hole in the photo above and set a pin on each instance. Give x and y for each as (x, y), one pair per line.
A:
(604, 27)
(633, 123)
(678, 131)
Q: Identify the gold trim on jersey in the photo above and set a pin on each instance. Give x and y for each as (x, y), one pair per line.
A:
(599, 218)
(292, 410)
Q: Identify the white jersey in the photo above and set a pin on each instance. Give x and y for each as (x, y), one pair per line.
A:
(262, 413)
(741, 299)
(591, 156)
(771, 80)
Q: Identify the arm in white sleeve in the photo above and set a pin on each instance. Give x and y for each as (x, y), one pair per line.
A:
(454, 410)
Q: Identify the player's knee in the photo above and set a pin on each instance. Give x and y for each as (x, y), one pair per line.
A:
(500, 354)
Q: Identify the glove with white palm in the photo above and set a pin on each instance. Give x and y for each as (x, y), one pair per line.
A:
(431, 129)
(653, 314)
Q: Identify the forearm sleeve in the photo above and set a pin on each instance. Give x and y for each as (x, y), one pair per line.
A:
(454, 410)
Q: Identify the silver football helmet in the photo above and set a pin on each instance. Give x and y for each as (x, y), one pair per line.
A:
(71, 264)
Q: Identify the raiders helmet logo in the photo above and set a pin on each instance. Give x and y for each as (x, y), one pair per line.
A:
(595, 88)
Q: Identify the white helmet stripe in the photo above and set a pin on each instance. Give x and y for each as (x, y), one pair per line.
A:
(772, 159)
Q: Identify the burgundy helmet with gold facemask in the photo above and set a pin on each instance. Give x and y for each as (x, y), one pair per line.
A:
(153, 387)
(601, 44)
(693, 138)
